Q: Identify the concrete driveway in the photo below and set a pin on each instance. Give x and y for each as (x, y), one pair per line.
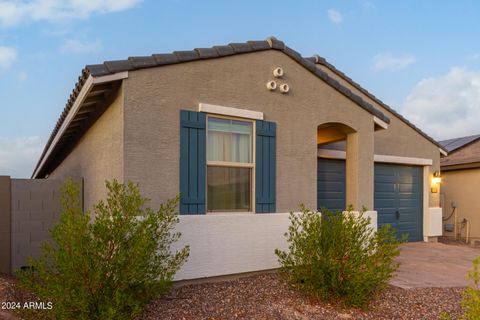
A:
(426, 265)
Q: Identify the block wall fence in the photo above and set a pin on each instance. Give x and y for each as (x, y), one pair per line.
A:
(28, 209)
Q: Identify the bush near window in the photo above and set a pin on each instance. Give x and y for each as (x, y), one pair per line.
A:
(111, 267)
(338, 255)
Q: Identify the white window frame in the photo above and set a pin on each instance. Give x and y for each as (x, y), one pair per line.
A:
(251, 166)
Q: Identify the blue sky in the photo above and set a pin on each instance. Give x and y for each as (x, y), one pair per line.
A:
(420, 57)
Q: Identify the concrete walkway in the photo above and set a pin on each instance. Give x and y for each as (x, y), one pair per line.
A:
(426, 265)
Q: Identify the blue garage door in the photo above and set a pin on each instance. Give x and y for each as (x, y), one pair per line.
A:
(399, 197)
(331, 184)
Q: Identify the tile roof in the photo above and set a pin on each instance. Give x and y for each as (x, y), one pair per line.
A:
(156, 60)
(457, 143)
(322, 61)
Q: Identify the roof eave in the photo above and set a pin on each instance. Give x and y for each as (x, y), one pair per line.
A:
(460, 166)
(84, 89)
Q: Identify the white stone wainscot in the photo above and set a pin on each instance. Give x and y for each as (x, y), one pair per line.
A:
(230, 243)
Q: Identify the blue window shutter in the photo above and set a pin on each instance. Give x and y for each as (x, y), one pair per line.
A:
(265, 166)
(192, 162)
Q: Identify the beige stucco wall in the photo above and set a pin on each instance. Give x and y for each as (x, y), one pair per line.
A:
(153, 98)
(462, 186)
(98, 156)
(399, 139)
(148, 122)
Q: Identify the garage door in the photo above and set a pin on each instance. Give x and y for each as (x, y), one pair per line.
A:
(399, 198)
(331, 184)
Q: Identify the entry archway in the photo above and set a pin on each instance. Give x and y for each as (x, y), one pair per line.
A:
(337, 166)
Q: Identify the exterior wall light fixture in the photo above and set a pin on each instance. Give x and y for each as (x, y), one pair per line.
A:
(436, 180)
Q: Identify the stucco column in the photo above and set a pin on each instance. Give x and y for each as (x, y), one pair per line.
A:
(359, 169)
(352, 167)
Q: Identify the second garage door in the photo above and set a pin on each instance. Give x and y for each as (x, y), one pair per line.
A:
(399, 197)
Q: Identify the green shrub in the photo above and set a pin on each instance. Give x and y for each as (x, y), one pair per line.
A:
(338, 255)
(471, 298)
(111, 267)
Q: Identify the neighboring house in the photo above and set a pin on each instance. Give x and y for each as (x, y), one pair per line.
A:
(461, 182)
(246, 132)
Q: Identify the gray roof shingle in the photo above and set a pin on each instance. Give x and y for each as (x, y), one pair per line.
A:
(188, 55)
(206, 53)
(224, 50)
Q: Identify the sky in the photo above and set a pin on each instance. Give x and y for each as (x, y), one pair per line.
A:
(420, 57)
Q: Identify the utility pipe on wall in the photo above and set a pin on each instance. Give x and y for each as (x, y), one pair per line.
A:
(468, 231)
(455, 224)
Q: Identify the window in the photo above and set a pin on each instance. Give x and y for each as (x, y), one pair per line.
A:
(226, 163)
(230, 164)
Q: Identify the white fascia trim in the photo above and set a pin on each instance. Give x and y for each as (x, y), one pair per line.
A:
(228, 111)
(337, 154)
(87, 86)
(403, 160)
(380, 122)
(111, 77)
(443, 152)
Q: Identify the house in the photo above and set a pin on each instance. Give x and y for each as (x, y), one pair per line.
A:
(245, 132)
(461, 182)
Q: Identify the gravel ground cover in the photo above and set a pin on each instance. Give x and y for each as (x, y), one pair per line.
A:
(7, 294)
(267, 296)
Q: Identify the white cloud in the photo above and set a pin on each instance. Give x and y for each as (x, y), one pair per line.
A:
(18, 156)
(390, 62)
(7, 56)
(77, 46)
(13, 12)
(447, 106)
(335, 16)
